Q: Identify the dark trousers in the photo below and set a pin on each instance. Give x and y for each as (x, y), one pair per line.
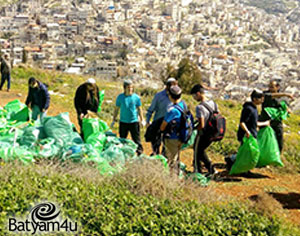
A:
(278, 129)
(5, 77)
(201, 143)
(156, 143)
(157, 139)
(134, 129)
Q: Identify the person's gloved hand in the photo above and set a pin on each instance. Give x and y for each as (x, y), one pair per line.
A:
(143, 123)
(112, 124)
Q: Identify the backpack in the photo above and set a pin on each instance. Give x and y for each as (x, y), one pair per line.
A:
(186, 124)
(216, 125)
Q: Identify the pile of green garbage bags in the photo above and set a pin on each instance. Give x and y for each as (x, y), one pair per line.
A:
(56, 138)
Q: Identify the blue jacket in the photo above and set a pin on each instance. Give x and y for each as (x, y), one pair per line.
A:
(39, 96)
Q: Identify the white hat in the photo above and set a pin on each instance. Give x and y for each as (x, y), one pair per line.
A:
(170, 80)
(91, 81)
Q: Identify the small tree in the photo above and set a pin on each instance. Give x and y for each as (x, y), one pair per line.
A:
(187, 74)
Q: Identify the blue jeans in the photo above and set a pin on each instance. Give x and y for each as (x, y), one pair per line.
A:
(37, 112)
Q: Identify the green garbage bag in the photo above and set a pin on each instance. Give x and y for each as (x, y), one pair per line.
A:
(89, 126)
(48, 149)
(29, 137)
(24, 155)
(3, 113)
(14, 106)
(129, 143)
(268, 146)
(60, 128)
(93, 125)
(21, 115)
(103, 127)
(97, 140)
(247, 156)
(128, 152)
(280, 113)
(16, 153)
(101, 99)
(197, 177)
(191, 141)
(114, 156)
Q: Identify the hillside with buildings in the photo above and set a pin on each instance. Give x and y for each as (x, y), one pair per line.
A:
(235, 45)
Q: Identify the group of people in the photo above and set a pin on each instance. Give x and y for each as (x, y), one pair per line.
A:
(167, 109)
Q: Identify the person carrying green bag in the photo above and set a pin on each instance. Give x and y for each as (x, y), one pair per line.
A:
(86, 99)
(271, 100)
(247, 129)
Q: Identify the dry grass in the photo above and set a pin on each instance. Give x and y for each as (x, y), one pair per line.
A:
(141, 178)
(150, 178)
(267, 205)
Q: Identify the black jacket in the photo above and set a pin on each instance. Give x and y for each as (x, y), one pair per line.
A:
(39, 96)
(250, 117)
(82, 104)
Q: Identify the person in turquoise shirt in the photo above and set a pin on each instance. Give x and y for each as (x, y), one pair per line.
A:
(129, 104)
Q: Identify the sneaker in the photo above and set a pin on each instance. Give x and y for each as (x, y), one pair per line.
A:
(212, 175)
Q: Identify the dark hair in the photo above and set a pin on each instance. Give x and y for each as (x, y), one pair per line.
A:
(175, 92)
(197, 88)
(32, 80)
(175, 96)
(256, 94)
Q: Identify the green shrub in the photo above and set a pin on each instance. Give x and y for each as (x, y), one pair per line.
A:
(105, 206)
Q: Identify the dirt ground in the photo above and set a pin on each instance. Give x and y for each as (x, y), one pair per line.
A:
(282, 186)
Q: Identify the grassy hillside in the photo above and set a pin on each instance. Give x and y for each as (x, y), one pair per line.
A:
(142, 200)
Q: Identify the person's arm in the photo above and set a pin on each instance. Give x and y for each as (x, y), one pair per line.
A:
(163, 125)
(47, 99)
(115, 115)
(263, 123)
(116, 112)
(201, 123)
(140, 112)
(29, 98)
(279, 95)
(244, 127)
(151, 110)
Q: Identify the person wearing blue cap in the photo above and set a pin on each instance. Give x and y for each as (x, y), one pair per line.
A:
(129, 104)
